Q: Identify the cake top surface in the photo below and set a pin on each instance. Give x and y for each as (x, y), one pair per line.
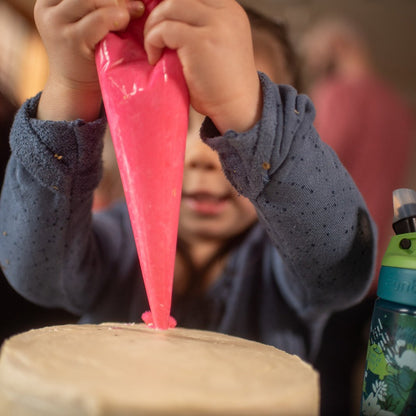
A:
(116, 369)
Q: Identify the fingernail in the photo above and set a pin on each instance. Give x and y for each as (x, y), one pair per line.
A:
(136, 9)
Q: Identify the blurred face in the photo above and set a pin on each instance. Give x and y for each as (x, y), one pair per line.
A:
(211, 209)
(318, 54)
(270, 58)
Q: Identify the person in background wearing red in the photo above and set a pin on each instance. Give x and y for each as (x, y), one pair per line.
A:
(361, 116)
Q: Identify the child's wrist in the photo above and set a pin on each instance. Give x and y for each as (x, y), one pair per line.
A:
(60, 102)
(241, 115)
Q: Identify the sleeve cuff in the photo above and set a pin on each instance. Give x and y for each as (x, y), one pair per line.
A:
(61, 155)
(245, 157)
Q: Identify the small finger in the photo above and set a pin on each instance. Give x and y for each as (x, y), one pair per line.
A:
(169, 34)
(73, 10)
(191, 12)
(136, 9)
(90, 30)
(46, 3)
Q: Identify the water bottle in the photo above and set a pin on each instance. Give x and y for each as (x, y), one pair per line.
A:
(389, 387)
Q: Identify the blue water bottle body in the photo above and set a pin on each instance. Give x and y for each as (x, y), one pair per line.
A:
(390, 376)
(389, 387)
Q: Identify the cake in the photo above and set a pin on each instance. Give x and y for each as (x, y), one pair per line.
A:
(117, 369)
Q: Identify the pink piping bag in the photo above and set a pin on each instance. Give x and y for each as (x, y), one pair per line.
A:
(147, 110)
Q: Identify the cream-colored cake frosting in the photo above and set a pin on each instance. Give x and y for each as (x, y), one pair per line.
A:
(124, 370)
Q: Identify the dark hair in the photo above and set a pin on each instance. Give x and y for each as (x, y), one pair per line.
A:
(7, 111)
(280, 32)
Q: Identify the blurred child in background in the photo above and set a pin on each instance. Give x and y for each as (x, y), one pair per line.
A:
(361, 116)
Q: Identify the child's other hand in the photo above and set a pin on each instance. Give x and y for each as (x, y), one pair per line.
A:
(70, 30)
(213, 42)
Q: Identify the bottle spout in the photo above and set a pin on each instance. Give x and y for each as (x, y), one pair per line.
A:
(404, 208)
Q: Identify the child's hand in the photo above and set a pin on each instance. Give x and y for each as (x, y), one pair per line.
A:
(70, 30)
(213, 42)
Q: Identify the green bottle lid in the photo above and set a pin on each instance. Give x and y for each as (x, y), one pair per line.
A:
(397, 280)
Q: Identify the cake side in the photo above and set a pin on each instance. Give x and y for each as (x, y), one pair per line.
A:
(115, 369)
